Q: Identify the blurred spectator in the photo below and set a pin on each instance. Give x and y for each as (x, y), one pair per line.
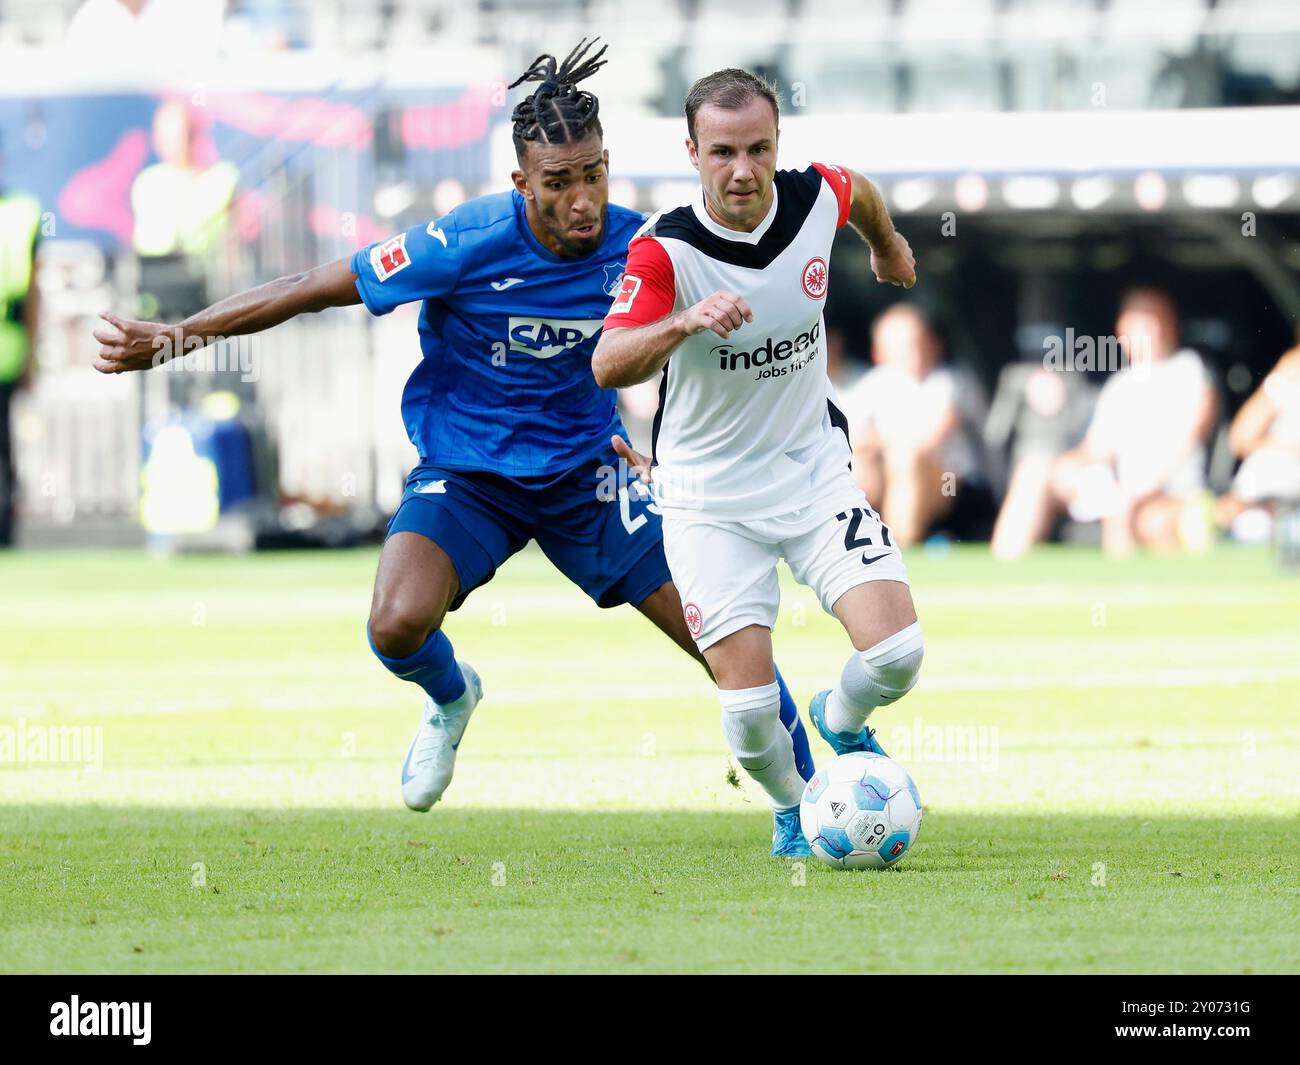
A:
(181, 207)
(1265, 435)
(269, 25)
(914, 424)
(20, 221)
(106, 24)
(1140, 469)
(180, 204)
(1040, 413)
(173, 33)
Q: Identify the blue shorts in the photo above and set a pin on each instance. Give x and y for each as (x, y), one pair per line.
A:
(596, 523)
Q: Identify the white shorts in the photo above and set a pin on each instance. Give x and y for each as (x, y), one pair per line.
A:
(1269, 473)
(726, 573)
(1099, 494)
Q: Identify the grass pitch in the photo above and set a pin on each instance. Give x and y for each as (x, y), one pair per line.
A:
(199, 759)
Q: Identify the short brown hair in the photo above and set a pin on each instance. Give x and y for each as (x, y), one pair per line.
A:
(730, 89)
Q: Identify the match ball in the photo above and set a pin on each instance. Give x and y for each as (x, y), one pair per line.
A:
(861, 811)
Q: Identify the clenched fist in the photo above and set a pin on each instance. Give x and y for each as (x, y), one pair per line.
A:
(894, 265)
(722, 312)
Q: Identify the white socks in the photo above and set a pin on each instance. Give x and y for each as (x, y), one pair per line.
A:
(751, 721)
(875, 677)
(751, 717)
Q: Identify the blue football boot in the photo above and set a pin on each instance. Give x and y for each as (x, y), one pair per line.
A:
(787, 835)
(841, 742)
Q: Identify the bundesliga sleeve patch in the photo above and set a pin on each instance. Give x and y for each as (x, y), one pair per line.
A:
(388, 258)
(626, 294)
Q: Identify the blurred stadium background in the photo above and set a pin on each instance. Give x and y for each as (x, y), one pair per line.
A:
(1041, 155)
(1106, 747)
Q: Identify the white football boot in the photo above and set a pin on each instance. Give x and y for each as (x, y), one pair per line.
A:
(432, 756)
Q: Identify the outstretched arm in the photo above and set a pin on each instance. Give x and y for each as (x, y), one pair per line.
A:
(126, 344)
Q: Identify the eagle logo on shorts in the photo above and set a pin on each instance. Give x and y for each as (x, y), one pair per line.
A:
(694, 619)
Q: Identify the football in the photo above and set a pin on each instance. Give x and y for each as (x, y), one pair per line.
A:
(861, 811)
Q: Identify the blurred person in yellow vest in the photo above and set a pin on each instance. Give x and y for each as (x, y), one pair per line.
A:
(20, 229)
(180, 206)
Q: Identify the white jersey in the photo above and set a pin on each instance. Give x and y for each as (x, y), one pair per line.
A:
(889, 400)
(1145, 417)
(748, 427)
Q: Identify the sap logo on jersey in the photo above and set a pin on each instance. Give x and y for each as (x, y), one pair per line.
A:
(544, 338)
(767, 352)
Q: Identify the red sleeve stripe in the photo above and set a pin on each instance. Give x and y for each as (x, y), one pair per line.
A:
(839, 181)
(648, 290)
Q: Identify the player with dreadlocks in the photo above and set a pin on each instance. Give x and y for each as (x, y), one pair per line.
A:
(512, 431)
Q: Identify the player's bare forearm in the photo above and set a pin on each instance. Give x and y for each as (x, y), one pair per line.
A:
(891, 256)
(868, 214)
(331, 285)
(631, 355)
(133, 345)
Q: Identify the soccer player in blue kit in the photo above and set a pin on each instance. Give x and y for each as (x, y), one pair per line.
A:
(512, 431)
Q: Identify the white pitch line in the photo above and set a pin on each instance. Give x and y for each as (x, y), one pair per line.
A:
(1162, 678)
(527, 600)
(973, 682)
(381, 699)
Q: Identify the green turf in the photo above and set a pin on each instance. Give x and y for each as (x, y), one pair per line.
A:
(1109, 754)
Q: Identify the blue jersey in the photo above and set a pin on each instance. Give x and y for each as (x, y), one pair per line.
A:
(507, 330)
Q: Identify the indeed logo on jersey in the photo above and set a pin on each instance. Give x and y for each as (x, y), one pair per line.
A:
(544, 338)
(771, 355)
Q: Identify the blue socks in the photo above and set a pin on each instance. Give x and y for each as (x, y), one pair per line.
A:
(433, 667)
(803, 760)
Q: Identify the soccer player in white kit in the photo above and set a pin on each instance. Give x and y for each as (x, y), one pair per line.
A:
(751, 454)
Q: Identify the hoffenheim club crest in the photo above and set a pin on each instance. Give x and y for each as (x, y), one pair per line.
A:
(613, 277)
